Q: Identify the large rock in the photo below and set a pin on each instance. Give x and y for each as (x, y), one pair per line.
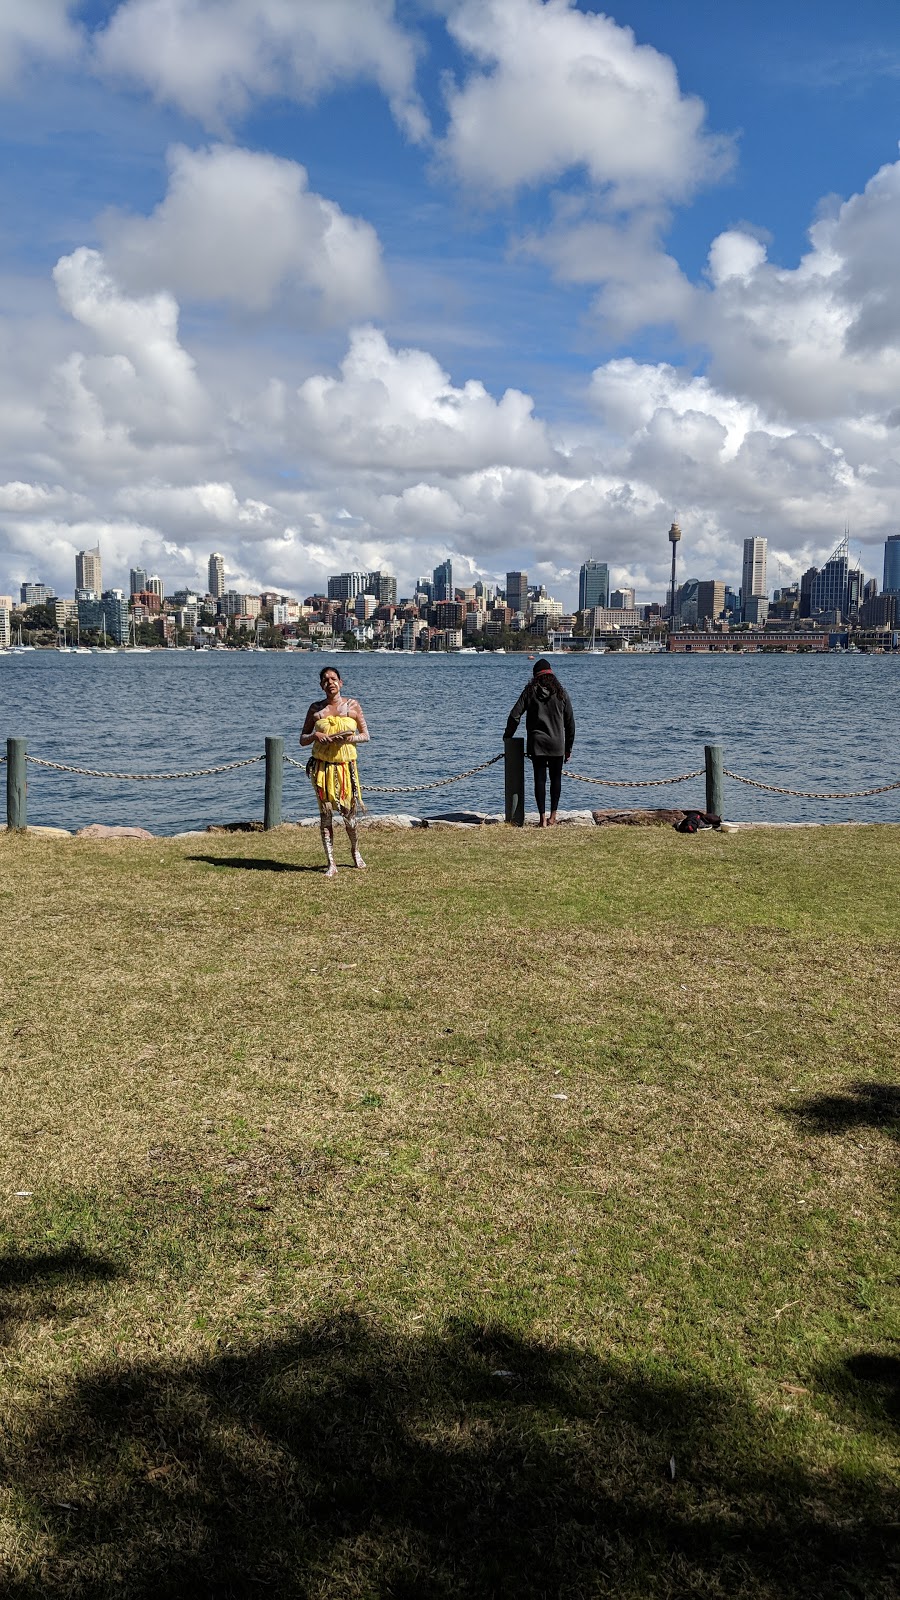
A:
(99, 830)
(659, 818)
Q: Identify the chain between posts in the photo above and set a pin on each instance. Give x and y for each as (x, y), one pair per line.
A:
(441, 783)
(812, 794)
(415, 788)
(632, 783)
(145, 777)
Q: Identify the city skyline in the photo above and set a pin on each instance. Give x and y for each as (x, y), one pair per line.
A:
(593, 586)
(373, 286)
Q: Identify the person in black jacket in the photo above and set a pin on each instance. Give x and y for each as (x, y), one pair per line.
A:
(550, 730)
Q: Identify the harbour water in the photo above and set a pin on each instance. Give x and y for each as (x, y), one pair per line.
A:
(804, 722)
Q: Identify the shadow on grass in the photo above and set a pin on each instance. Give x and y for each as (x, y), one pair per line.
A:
(341, 1461)
(254, 864)
(869, 1382)
(872, 1105)
(32, 1287)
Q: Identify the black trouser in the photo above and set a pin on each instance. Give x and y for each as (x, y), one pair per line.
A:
(542, 765)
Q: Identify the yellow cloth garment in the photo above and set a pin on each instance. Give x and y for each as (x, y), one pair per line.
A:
(332, 767)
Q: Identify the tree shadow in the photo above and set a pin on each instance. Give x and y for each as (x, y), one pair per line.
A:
(869, 1382)
(342, 1460)
(254, 864)
(874, 1105)
(35, 1286)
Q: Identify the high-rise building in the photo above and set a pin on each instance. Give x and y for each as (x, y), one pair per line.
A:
(593, 585)
(891, 582)
(753, 576)
(88, 571)
(686, 602)
(442, 582)
(855, 584)
(216, 575)
(383, 587)
(807, 579)
(137, 581)
(829, 587)
(622, 600)
(155, 586)
(710, 600)
(35, 594)
(6, 606)
(347, 585)
(517, 590)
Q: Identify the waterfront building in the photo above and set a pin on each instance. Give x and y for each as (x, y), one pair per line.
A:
(829, 587)
(137, 582)
(606, 619)
(6, 606)
(412, 627)
(155, 586)
(753, 576)
(88, 570)
(347, 585)
(756, 610)
(710, 600)
(35, 594)
(442, 581)
(240, 605)
(109, 614)
(517, 591)
(807, 580)
(686, 602)
(593, 585)
(63, 611)
(891, 581)
(215, 575)
(879, 610)
(364, 606)
(383, 586)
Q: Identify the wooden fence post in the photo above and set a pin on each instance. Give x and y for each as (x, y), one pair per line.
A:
(514, 781)
(714, 779)
(16, 786)
(274, 781)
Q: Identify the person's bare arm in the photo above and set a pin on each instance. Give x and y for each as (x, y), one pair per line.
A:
(308, 736)
(362, 733)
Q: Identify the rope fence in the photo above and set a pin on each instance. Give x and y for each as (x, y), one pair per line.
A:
(513, 755)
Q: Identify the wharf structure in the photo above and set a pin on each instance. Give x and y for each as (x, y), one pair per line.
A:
(881, 639)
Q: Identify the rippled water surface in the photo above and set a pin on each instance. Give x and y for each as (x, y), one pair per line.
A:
(827, 722)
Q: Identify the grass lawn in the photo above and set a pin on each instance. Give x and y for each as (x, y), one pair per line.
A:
(513, 1219)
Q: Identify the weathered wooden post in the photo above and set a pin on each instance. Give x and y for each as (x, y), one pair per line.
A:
(714, 779)
(16, 786)
(514, 780)
(274, 780)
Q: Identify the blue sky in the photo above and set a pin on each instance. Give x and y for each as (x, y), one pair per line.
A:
(340, 283)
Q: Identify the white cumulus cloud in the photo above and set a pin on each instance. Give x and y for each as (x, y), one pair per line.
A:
(34, 29)
(556, 90)
(212, 58)
(243, 227)
(398, 410)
